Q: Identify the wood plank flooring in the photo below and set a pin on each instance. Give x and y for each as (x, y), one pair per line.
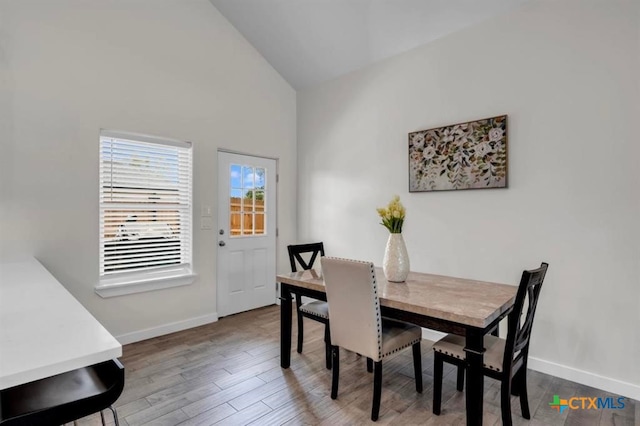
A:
(229, 373)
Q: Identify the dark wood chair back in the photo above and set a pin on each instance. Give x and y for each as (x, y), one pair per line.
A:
(297, 250)
(519, 332)
(319, 308)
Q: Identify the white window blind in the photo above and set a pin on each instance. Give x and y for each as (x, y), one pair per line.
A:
(145, 205)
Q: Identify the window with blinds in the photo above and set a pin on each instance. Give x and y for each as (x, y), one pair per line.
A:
(145, 206)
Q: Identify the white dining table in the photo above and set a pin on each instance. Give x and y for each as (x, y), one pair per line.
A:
(44, 330)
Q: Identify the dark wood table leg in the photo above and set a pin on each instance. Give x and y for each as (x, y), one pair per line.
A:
(475, 377)
(285, 326)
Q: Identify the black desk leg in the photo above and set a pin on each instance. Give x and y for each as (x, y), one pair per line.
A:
(285, 326)
(475, 377)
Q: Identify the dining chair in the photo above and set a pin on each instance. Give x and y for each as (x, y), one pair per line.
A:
(495, 331)
(65, 397)
(316, 309)
(358, 325)
(504, 359)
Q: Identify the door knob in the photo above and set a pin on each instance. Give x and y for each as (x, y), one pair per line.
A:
(222, 244)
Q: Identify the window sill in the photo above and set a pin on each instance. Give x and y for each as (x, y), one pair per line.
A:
(142, 283)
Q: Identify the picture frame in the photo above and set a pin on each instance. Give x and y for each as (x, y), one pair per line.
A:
(469, 155)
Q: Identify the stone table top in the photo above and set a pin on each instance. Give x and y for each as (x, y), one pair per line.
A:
(463, 301)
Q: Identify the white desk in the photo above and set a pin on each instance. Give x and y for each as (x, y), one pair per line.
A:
(44, 330)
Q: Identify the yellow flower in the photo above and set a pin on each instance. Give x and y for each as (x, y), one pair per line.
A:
(393, 215)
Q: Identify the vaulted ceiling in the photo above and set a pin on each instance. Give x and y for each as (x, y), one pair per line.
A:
(311, 41)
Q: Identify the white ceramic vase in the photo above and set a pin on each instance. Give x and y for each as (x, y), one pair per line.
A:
(396, 259)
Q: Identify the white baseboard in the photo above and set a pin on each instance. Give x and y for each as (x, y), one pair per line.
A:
(161, 330)
(608, 384)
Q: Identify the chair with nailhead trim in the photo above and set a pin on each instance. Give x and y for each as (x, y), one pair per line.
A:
(316, 310)
(504, 360)
(358, 326)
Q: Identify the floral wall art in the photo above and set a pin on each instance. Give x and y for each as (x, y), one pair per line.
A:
(470, 155)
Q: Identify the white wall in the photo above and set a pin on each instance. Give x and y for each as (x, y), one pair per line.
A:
(566, 73)
(170, 68)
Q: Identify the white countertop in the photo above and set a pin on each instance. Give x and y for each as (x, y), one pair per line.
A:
(44, 330)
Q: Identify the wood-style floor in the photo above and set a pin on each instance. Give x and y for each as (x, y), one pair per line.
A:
(229, 373)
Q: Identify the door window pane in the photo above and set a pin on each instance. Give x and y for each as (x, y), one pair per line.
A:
(259, 224)
(247, 212)
(247, 201)
(259, 196)
(259, 177)
(236, 176)
(247, 224)
(247, 177)
(235, 225)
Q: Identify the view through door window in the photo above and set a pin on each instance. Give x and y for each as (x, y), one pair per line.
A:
(247, 208)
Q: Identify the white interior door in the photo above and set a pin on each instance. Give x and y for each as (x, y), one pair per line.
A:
(246, 232)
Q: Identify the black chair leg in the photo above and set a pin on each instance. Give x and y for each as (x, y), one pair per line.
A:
(115, 415)
(438, 364)
(417, 366)
(505, 401)
(327, 346)
(524, 399)
(369, 365)
(335, 365)
(300, 324)
(377, 390)
(515, 384)
(460, 379)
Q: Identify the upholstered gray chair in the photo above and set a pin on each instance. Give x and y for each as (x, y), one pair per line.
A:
(358, 326)
(504, 360)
